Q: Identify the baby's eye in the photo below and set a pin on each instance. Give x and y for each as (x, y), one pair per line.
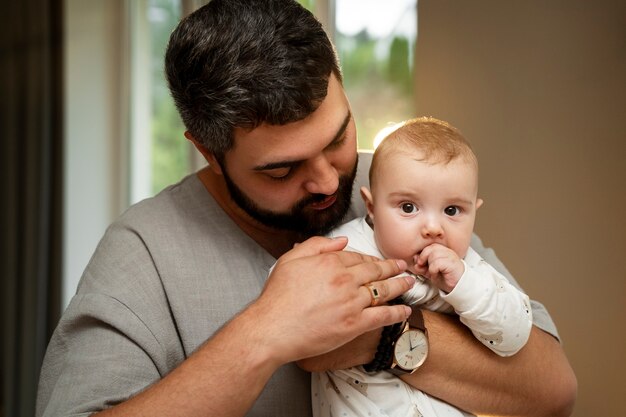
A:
(452, 210)
(408, 208)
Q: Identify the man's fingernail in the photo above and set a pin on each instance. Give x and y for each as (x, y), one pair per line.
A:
(401, 264)
(407, 311)
(410, 279)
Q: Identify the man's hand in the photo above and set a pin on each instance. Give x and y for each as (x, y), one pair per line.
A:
(315, 299)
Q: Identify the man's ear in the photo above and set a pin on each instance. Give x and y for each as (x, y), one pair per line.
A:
(479, 202)
(210, 158)
(366, 195)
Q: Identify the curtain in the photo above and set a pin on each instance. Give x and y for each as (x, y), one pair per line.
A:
(31, 178)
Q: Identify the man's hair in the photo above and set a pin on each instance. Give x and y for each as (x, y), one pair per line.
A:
(240, 63)
(437, 141)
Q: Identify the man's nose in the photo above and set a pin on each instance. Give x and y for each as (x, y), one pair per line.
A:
(323, 177)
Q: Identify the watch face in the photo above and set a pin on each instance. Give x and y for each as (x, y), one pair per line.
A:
(411, 349)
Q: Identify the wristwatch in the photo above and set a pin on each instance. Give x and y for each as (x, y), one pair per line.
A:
(410, 348)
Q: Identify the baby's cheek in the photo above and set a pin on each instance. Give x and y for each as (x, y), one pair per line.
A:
(397, 248)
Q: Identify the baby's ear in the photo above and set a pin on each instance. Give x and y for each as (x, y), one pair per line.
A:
(479, 202)
(366, 195)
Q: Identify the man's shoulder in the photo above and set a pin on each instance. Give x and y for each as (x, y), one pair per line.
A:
(171, 225)
(179, 200)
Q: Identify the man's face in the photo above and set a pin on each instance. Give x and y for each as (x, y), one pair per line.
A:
(299, 176)
(301, 217)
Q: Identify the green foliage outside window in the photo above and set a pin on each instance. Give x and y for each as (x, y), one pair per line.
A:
(309, 4)
(379, 85)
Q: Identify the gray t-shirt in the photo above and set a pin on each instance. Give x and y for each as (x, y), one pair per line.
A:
(165, 277)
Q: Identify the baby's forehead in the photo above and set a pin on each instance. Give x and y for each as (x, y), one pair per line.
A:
(429, 157)
(396, 164)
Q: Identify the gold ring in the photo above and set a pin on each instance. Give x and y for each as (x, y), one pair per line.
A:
(374, 293)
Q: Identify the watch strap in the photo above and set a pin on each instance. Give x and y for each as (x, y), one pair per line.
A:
(416, 319)
(398, 371)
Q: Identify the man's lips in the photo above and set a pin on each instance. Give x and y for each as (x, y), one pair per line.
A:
(325, 203)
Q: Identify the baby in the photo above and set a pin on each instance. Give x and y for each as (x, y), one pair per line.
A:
(421, 207)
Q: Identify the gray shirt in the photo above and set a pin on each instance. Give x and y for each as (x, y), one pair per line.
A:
(165, 277)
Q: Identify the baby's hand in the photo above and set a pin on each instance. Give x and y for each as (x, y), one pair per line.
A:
(441, 265)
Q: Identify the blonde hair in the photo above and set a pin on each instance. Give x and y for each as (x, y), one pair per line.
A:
(438, 141)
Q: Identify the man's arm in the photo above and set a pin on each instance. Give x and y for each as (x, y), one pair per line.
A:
(312, 303)
(537, 381)
(223, 377)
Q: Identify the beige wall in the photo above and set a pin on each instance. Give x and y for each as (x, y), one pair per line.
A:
(93, 121)
(539, 88)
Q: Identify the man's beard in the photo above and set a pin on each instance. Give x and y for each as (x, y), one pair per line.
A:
(300, 218)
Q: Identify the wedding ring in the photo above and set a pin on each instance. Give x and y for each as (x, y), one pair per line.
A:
(374, 293)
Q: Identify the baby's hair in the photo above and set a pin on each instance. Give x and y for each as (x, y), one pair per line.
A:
(438, 141)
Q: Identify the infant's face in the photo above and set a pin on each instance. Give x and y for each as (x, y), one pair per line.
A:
(416, 204)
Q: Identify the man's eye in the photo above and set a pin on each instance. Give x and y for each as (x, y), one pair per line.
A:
(279, 174)
(452, 210)
(337, 143)
(408, 208)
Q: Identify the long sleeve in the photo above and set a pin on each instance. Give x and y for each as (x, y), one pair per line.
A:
(497, 313)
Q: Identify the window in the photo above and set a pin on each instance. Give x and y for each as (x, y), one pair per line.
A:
(170, 150)
(160, 155)
(375, 41)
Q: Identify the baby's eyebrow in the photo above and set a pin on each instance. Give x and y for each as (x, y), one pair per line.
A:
(460, 201)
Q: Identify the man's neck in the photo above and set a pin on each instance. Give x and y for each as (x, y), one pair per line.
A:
(275, 242)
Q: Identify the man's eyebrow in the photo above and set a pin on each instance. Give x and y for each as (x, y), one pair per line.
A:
(293, 163)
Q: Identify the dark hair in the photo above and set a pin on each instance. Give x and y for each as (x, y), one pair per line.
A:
(241, 63)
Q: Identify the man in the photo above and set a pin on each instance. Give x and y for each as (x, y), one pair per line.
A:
(175, 314)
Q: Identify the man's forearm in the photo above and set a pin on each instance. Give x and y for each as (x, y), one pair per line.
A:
(537, 381)
(208, 383)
